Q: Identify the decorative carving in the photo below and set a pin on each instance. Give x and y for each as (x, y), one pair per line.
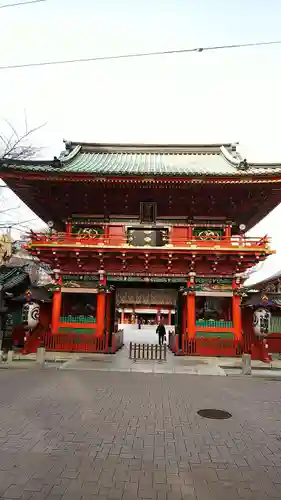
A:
(136, 296)
(88, 232)
(207, 234)
(152, 237)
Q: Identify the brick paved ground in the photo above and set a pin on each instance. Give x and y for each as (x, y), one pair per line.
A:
(98, 435)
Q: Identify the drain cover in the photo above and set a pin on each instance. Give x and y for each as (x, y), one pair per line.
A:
(215, 414)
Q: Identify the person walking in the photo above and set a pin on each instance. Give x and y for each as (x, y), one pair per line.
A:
(161, 330)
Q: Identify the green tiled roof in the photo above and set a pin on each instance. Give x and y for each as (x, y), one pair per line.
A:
(10, 278)
(151, 160)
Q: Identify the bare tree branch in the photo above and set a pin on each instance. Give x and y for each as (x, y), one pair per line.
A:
(16, 149)
(15, 146)
(9, 209)
(25, 121)
(12, 128)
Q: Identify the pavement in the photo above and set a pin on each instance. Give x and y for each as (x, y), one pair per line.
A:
(146, 335)
(92, 435)
(120, 362)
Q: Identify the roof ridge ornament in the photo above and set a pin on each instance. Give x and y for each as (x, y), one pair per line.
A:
(243, 165)
(236, 161)
(229, 157)
(69, 152)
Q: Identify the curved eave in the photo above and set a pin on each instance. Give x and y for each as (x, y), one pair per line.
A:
(136, 162)
(65, 176)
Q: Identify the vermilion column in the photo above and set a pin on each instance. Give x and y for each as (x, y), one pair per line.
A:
(108, 311)
(122, 316)
(236, 315)
(56, 309)
(184, 315)
(191, 316)
(68, 228)
(169, 317)
(227, 232)
(101, 299)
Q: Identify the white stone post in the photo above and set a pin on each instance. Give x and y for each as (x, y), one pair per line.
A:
(10, 356)
(246, 364)
(40, 356)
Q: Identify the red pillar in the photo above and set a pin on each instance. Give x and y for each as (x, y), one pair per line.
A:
(236, 316)
(169, 317)
(56, 310)
(122, 316)
(106, 234)
(101, 298)
(184, 315)
(158, 316)
(108, 311)
(236, 310)
(227, 232)
(191, 316)
(68, 228)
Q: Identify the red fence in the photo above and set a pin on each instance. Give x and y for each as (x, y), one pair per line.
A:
(71, 342)
(119, 239)
(274, 343)
(206, 347)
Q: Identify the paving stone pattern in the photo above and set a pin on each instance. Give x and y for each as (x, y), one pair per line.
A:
(125, 436)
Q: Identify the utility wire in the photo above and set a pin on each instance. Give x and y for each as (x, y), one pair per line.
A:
(20, 3)
(137, 54)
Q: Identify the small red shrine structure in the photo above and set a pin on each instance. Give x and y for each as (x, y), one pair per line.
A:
(264, 296)
(165, 222)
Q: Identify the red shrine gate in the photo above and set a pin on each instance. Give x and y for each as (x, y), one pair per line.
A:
(172, 214)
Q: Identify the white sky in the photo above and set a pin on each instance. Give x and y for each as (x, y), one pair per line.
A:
(223, 96)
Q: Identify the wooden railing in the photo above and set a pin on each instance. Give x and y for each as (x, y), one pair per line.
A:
(211, 347)
(78, 319)
(211, 323)
(148, 352)
(120, 240)
(71, 342)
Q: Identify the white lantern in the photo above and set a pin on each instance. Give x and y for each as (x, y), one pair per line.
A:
(30, 315)
(262, 322)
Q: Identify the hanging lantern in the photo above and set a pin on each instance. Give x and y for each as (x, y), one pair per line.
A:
(262, 322)
(30, 315)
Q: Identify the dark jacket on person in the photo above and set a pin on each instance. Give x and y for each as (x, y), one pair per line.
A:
(161, 330)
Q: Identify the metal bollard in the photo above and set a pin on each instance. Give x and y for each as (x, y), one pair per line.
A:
(130, 350)
(165, 352)
(246, 364)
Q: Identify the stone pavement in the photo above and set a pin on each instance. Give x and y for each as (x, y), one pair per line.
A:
(120, 362)
(146, 335)
(72, 435)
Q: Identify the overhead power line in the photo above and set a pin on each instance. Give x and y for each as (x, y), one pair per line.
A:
(20, 3)
(137, 54)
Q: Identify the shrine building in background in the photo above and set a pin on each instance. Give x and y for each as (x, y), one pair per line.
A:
(139, 232)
